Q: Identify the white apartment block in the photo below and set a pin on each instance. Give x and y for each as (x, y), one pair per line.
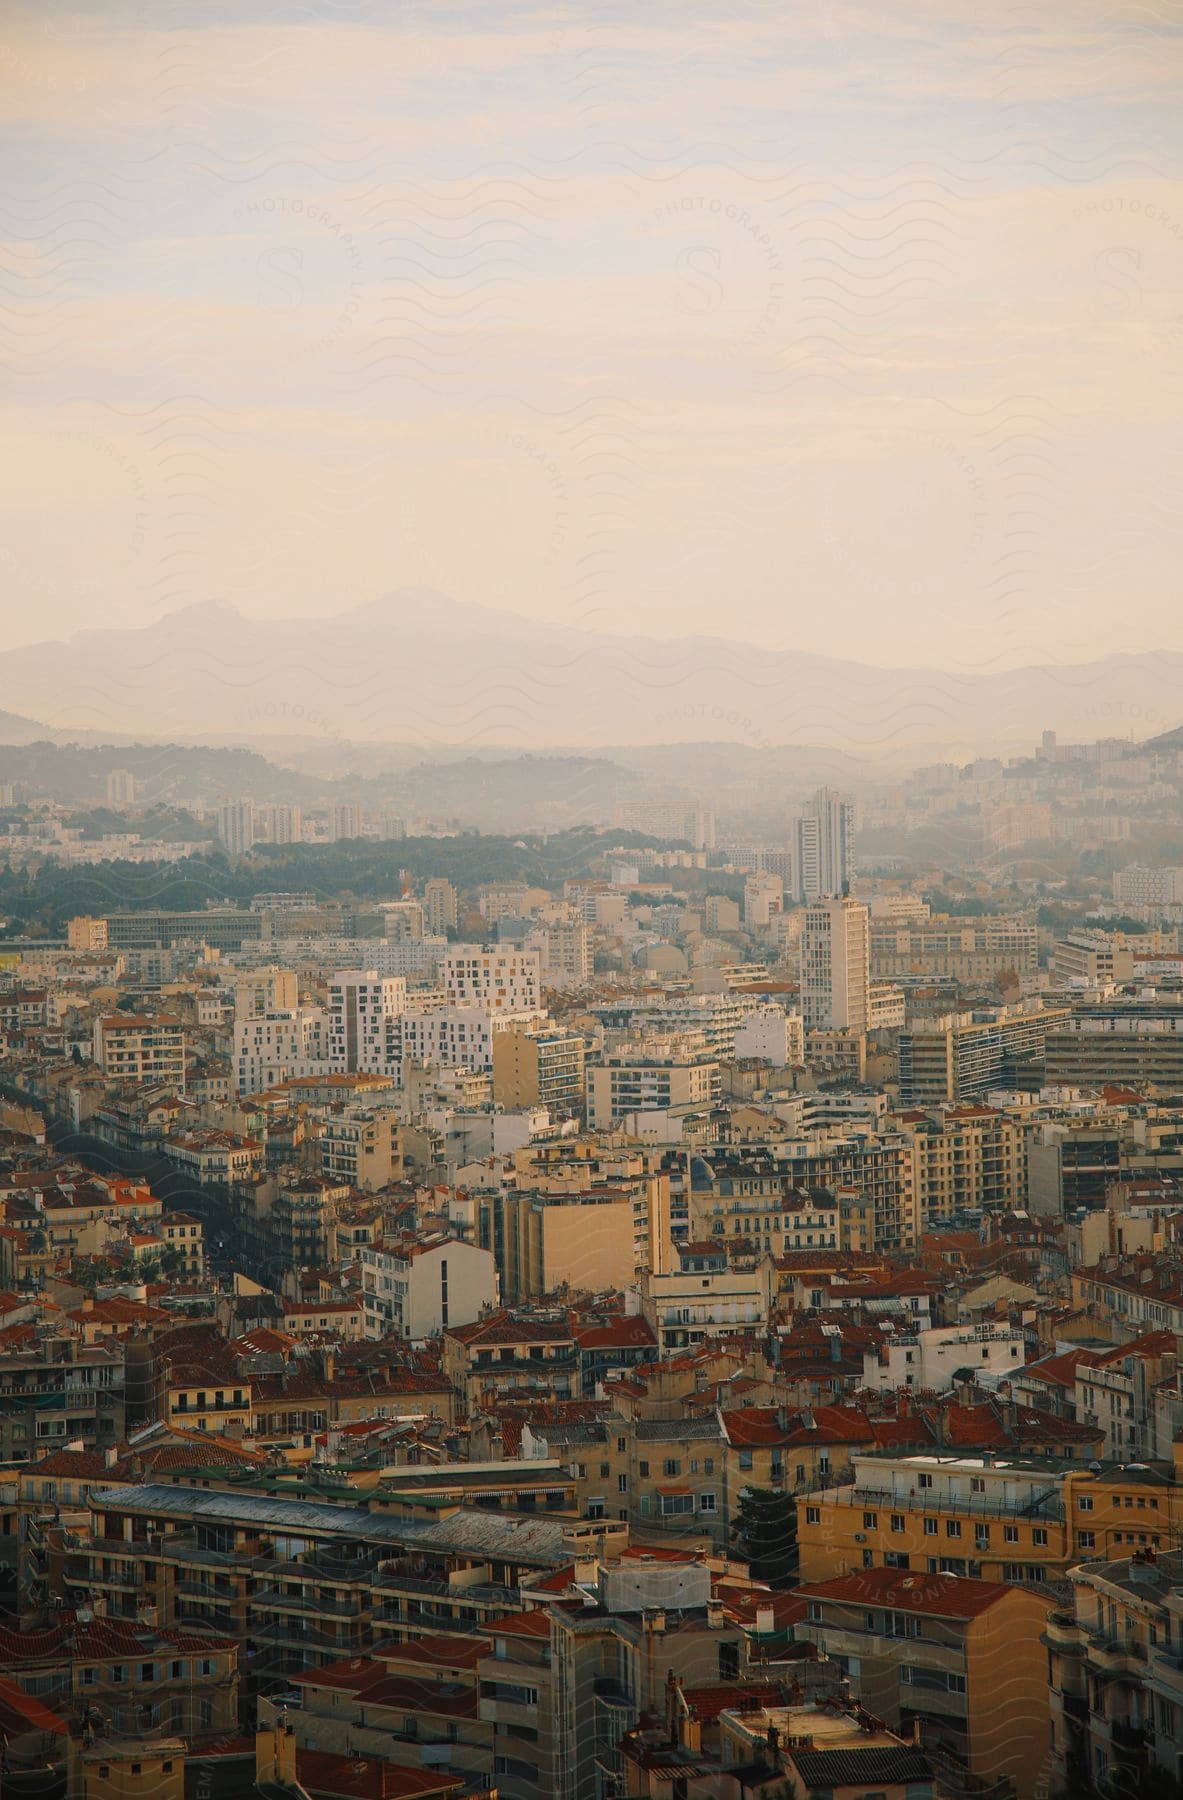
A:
(1140, 887)
(281, 1046)
(456, 1037)
(502, 980)
(763, 899)
(417, 1287)
(364, 1013)
(835, 966)
(825, 847)
(771, 1035)
(931, 1358)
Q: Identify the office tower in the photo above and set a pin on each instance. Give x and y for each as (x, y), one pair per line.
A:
(121, 788)
(825, 846)
(439, 900)
(236, 826)
(835, 966)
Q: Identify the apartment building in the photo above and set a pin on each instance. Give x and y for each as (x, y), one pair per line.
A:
(440, 906)
(823, 849)
(58, 1391)
(510, 1355)
(964, 1057)
(1026, 1517)
(364, 1014)
(1115, 1671)
(545, 1240)
(128, 1047)
(930, 1360)
(360, 1148)
(958, 1659)
(835, 966)
(964, 1158)
(562, 942)
(961, 950)
(1135, 1044)
(750, 1186)
(501, 980)
(662, 1077)
(416, 1286)
(536, 1063)
(684, 1308)
(272, 1047)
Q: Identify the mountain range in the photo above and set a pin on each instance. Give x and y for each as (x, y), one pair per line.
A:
(432, 673)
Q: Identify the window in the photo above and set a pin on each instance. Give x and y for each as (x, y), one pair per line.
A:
(924, 1481)
(813, 1515)
(981, 1537)
(953, 1528)
(622, 1484)
(897, 1521)
(745, 1459)
(708, 1467)
(1039, 1536)
(930, 1528)
(671, 1466)
(672, 1504)
(1010, 1534)
(706, 1503)
(870, 1521)
(1084, 1502)
(643, 1469)
(977, 1484)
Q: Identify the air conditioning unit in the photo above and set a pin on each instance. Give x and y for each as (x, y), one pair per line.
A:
(860, 1537)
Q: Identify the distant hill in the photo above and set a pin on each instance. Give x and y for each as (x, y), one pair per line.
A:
(15, 729)
(420, 669)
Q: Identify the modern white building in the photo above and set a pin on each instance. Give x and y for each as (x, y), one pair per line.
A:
(836, 966)
(502, 979)
(364, 1013)
(280, 1046)
(456, 1037)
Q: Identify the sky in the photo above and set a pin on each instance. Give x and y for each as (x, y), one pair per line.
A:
(853, 326)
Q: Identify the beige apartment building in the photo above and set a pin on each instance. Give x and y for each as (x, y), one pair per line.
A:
(539, 1064)
(963, 950)
(132, 1048)
(543, 1240)
(964, 1157)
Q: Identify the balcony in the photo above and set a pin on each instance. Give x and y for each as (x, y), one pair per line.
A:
(1062, 1633)
(1115, 1656)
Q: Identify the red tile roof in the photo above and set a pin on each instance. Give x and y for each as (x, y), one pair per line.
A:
(944, 1596)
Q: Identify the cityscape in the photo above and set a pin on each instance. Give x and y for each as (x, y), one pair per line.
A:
(591, 902)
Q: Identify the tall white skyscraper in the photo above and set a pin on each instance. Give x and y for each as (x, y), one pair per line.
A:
(825, 846)
(836, 966)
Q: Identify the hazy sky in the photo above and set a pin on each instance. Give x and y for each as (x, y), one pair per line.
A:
(857, 327)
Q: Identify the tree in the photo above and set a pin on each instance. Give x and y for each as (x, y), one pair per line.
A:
(765, 1529)
(172, 1262)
